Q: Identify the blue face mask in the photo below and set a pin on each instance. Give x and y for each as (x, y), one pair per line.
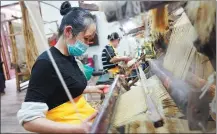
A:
(77, 49)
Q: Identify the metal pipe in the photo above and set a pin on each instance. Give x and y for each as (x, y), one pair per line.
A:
(102, 122)
(185, 96)
(177, 88)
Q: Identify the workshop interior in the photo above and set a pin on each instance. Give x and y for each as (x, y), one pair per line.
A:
(137, 66)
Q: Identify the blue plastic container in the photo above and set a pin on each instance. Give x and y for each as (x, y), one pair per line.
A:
(88, 71)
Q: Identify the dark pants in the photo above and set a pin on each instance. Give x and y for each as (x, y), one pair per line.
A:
(2, 83)
(2, 78)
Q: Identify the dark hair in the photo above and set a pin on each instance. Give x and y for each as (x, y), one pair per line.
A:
(76, 17)
(109, 37)
(113, 36)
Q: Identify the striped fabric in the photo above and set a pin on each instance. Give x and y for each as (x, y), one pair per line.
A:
(107, 54)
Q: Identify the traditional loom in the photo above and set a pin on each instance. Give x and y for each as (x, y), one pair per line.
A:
(178, 104)
(131, 112)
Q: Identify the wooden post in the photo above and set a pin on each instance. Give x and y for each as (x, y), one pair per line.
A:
(3, 58)
(14, 54)
(30, 43)
(40, 8)
(4, 52)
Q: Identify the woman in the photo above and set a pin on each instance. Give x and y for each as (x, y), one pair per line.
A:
(46, 108)
(109, 54)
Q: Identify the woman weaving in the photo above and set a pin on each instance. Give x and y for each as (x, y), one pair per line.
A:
(110, 57)
(47, 108)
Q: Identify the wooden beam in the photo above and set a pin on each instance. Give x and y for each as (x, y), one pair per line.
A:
(135, 30)
(4, 59)
(11, 20)
(40, 8)
(14, 54)
(102, 121)
(20, 33)
(8, 5)
(15, 17)
(30, 42)
(5, 53)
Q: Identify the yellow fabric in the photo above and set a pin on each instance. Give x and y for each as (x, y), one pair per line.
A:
(66, 113)
(114, 70)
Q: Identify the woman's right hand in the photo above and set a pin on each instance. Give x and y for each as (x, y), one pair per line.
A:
(86, 125)
(126, 59)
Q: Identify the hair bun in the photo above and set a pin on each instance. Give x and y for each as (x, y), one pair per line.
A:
(65, 8)
(109, 37)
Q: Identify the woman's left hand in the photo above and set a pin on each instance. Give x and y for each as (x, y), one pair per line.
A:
(96, 89)
(99, 88)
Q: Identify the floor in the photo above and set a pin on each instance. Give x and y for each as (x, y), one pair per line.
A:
(10, 104)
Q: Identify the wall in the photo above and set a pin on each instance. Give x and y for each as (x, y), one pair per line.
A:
(104, 28)
(52, 14)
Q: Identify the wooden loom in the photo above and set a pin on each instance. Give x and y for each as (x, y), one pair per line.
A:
(119, 114)
(180, 70)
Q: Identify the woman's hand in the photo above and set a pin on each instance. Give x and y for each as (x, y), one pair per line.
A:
(96, 89)
(120, 58)
(126, 59)
(99, 88)
(86, 125)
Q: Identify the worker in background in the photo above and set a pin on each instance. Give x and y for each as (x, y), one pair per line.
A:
(46, 108)
(2, 78)
(110, 57)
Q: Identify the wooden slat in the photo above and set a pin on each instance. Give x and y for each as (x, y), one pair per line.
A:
(11, 20)
(12, 4)
(15, 34)
(4, 59)
(14, 54)
(103, 119)
(29, 38)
